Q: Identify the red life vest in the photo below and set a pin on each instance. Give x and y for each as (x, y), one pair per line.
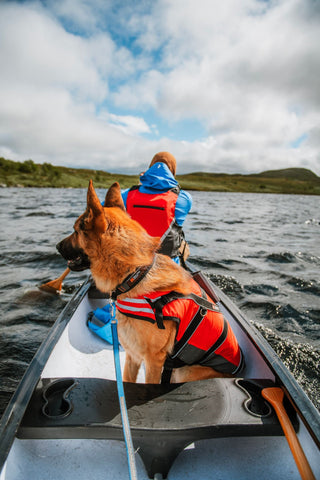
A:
(156, 213)
(203, 336)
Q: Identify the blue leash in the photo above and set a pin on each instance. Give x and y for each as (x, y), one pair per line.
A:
(122, 399)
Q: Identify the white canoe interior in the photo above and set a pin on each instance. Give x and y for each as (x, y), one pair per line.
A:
(81, 354)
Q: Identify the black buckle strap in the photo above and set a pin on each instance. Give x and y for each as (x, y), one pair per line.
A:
(158, 304)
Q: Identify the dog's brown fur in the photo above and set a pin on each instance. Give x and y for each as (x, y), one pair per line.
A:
(116, 245)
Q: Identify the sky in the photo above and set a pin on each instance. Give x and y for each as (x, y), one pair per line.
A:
(224, 85)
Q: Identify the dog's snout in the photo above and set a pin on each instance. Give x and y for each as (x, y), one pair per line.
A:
(62, 248)
(75, 256)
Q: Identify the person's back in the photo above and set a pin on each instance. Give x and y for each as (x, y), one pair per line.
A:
(159, 204)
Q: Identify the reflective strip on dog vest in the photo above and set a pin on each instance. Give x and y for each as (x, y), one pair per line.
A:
(203, 335)
(136, 308)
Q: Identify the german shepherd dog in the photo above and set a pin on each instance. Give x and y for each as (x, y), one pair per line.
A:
(113, 246)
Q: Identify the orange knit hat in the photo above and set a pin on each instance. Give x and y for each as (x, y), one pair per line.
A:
(167, 158)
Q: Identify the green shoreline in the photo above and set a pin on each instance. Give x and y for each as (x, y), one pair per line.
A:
(299, 181)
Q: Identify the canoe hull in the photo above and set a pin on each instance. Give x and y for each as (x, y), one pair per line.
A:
(81, 435)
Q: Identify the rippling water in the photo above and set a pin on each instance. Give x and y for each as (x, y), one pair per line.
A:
(262, 250)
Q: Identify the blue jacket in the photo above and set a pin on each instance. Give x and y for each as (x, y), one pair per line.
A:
(159, 179)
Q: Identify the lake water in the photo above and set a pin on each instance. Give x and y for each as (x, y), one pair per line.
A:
(262, 250)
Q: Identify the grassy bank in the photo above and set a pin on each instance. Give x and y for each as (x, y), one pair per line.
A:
(29, 174)
(294, 183)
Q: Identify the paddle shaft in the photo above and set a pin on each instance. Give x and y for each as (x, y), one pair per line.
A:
(64, 274)
(274, 396)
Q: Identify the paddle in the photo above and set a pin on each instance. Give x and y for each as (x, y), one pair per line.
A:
(55, 285)
(274, 395)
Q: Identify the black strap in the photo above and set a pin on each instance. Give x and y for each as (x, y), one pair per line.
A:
(217, 344)
(158, 305)
(171, 361)
(167, 371)
(168, 366)
(175, 189)
(194, 323)
(191, 328)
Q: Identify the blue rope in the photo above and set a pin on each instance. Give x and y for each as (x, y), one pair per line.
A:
(122, 399)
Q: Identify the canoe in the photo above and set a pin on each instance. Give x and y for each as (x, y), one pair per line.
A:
(64, 419)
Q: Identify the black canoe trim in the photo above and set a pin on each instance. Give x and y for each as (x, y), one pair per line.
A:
(13, 414)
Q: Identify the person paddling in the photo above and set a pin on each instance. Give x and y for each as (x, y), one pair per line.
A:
(160, 205)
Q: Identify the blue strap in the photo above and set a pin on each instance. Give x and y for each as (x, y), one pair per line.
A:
(122, 401)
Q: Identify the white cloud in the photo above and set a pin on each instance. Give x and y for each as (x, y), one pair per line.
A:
(37, 51)
(79, 80)
(127, 124)
(248, 70)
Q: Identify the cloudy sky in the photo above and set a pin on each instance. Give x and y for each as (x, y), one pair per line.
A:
(225, 85)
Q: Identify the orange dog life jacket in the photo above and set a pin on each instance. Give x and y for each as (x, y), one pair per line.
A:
(203, 336)
(156, 213)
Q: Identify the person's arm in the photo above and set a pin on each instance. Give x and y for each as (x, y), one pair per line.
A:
(183, 206)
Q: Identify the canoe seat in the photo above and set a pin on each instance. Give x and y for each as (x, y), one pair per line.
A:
(164, 419)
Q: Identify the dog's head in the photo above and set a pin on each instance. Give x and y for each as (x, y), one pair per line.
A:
(73, 248)
(106, 239)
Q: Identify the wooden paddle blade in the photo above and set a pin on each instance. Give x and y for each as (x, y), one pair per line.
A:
(55, 285)
(274, 395)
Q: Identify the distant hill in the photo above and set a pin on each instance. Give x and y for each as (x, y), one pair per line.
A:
(294, 173)
(289, 181)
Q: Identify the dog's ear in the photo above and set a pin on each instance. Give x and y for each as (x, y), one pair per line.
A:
(95, 218)
(113, 197)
